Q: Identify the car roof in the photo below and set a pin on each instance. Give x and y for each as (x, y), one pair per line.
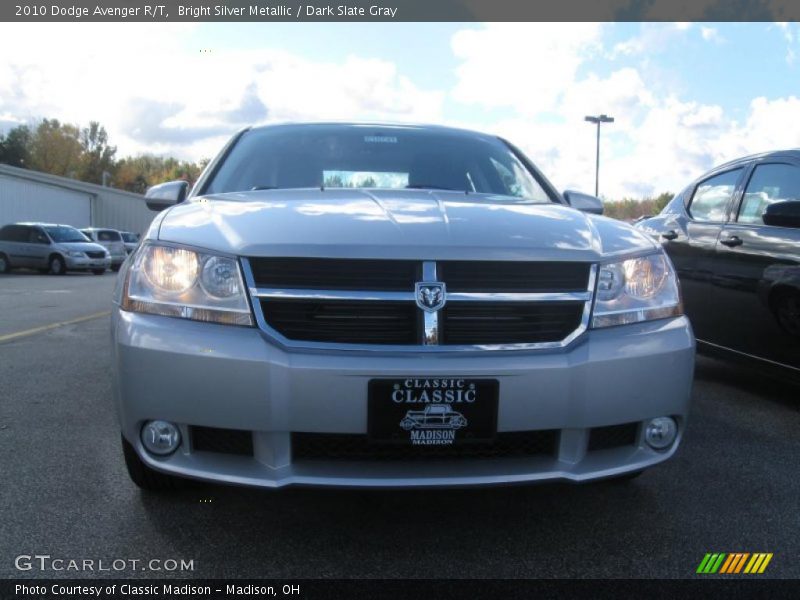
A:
(793, 153)
(37, 224)
(382, 125)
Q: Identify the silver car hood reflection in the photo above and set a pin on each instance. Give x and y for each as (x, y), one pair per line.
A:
(402, 224)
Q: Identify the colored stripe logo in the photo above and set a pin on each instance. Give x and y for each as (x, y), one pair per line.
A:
(734, 563)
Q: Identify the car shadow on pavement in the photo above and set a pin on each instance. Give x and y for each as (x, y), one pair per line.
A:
(364, 528)
(748, 379)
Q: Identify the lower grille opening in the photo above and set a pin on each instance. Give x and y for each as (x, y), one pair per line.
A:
(95, 254)
(325, 446)
(223, 441)
(614, 436)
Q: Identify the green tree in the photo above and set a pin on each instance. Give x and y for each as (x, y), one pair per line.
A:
(15, 145)
(630, 209)
(97, 156)
(662, 200)
(137, 173)
(55, 148)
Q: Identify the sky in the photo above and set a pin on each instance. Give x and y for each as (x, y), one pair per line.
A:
(685, 96)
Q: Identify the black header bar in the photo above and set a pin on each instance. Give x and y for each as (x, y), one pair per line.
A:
(397, 10)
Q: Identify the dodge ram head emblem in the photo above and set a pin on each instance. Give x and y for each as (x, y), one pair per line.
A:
(430, 296)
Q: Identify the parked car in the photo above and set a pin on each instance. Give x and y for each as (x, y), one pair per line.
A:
(49, 247)
(734, 237)
(111, 240)
(131, 240)
(322, 280)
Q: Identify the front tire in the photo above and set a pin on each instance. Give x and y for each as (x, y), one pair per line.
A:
(116, 268)
(57, 266)
(98, 271)
(145, 477)
(5, 265)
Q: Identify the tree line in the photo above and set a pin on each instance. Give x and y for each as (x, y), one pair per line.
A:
(85, 154)
(630, 209)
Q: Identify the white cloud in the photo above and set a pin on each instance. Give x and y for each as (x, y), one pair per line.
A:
(711, 34)
(525, 66)
(154, 94)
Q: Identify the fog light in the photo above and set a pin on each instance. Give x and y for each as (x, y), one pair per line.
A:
(160, 437)
(661, 432)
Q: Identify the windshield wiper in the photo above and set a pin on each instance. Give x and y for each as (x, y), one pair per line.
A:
(255, 188)
(430, 186)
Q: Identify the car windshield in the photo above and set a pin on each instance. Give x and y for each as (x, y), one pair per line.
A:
(62, 234)
(374, 157)
(130, 238)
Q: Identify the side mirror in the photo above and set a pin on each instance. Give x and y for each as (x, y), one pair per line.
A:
(168, 194)
(783, 214)
(584, 202)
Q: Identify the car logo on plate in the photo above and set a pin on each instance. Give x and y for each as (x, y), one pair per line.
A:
(430, 296)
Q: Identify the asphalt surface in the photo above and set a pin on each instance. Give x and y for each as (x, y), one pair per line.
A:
(733, 486)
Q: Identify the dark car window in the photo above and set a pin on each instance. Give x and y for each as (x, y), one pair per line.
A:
(769, 184)
(108, 236)
(37, 236)
(130, 238)
(14, 233)
(712, 196)
(368, 157)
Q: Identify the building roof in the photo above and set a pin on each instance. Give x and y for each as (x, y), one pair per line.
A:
(64, 182)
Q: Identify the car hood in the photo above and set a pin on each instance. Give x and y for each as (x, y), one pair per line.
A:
(81, 246)
(403, 224)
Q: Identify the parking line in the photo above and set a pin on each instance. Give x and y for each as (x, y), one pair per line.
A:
(20, 334)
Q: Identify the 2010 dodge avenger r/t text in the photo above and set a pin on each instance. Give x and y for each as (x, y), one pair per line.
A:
(295, 317)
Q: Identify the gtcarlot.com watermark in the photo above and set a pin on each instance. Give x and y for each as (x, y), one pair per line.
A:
(48, 563)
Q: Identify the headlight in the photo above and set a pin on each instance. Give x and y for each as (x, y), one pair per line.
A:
(178, 282)
(75, 254)
(634, 290)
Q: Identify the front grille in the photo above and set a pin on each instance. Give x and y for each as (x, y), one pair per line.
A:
(372, 302)
(509, 323)
(506, 276)
(613, 436)
(96, 254)
(325, 446)
(351, 322)
(335, 274)
(223, 441)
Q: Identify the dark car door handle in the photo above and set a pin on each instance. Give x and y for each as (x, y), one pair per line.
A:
(732, 241)
(670, 235)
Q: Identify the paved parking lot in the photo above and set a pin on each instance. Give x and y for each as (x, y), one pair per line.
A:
(733, 486)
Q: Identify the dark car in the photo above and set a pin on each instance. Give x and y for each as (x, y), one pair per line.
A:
(734, 238)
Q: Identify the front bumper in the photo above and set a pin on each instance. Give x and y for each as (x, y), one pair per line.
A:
(207, 375)
(85, 263)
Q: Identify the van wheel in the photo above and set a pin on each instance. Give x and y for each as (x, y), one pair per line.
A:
(57, 266)
(116, 268)
(5, 266)
(98, 271)
(145, 477)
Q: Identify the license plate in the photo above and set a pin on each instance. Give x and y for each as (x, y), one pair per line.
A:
(424, 411)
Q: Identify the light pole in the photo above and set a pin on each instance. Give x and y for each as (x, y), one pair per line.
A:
(598, 120)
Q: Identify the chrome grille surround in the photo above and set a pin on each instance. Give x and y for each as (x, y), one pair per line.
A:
(430, 329)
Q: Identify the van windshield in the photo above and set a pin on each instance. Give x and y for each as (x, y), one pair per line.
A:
(62, 234)
(363, 156)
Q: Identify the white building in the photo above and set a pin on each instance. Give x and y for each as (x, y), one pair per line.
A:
(33, 196)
